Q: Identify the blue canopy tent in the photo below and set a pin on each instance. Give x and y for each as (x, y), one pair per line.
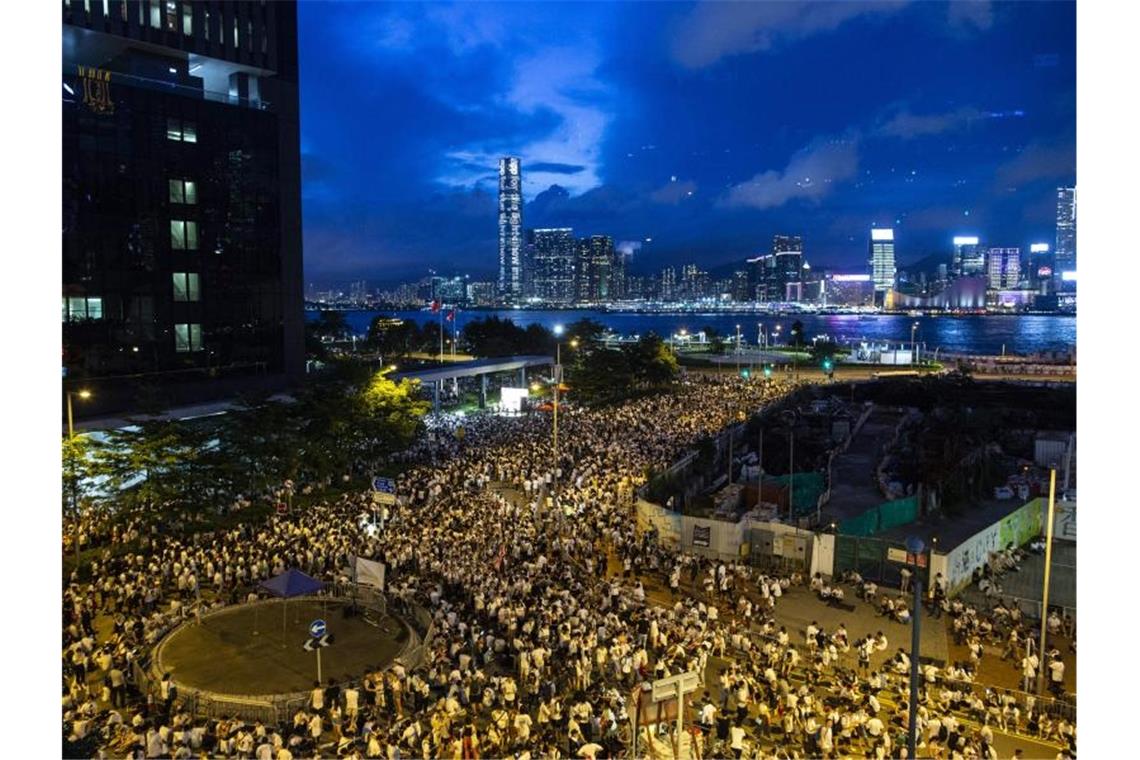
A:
(289, 584)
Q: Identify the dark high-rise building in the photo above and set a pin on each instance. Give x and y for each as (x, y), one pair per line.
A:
(181, 201)
(554, 255)
(595, 268)
(788, 251)
(510, 230)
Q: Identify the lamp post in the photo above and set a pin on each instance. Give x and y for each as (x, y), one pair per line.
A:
(914, 547)
(912, 329)
(558, 329)
(83, 394)
(791, 462)
(1045, 587)
(738, 350)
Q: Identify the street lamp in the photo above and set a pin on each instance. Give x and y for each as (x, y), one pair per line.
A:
(83, 394)
(791, 464)
(914, 547)
(912, 329)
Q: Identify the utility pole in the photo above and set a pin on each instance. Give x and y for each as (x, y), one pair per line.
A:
(914, 547)
(1045, 587)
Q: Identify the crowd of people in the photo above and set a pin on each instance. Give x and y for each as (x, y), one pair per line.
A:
(546, 616)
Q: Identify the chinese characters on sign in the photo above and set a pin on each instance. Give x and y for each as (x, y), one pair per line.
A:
(96, 89)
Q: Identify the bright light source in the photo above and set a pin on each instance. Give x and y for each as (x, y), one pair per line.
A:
(559, 329)
(966, 240)
(851, 278)
(1069, 276)
(172, 70)
(883, 234)
(67, 87)
(84, 394)
(1038, 247)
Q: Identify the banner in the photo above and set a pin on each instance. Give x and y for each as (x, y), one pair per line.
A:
(367, 572)
(701, 535)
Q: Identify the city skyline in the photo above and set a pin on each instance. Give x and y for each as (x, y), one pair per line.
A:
(671, 143)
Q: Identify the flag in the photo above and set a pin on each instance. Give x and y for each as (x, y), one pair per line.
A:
(451, 315)
(435, 306)
(502, 555)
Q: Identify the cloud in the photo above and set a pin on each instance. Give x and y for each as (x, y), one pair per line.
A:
(672, 193)
(549, 167)
(908, 125)
(562, 87)
(978, 14)
(1038, 161)
(713, 31)
(811, 174)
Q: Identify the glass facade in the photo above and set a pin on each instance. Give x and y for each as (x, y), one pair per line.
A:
(181, 236)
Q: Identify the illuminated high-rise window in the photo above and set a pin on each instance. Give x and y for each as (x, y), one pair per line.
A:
(185, 286)
(187, 19)
(183, 191)
(187, 337)
(183, 235)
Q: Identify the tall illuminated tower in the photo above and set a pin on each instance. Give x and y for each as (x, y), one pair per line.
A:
(1065, 252)
(883, 259)
(510, 229)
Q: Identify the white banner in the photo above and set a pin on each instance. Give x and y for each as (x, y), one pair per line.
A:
(368, 572)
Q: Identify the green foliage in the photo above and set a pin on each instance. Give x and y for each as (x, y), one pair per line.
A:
(599, 375)
(395, 338)
(341, 425)
(501, 337)
(796, 336)
(715, 339)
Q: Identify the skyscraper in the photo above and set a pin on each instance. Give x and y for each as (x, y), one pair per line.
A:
(554, 265)
(181, 200)
(788, 269)
(594, 273)
(1065, 252)
(1003, 268)
(969, 258)
(883, 259)
(510, 229)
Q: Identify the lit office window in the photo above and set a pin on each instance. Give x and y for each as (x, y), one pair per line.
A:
(78, 308)
(155, 14)
(183, 235)
(206, 24)
(181, 131)
(187, 337)
(187, 19)
(235, 34)
(185, 287)
(171, 16)
(183, 191)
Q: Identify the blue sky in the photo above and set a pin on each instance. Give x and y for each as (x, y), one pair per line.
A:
(694, 132)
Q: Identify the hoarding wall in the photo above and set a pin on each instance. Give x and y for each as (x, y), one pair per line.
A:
(1016, 528)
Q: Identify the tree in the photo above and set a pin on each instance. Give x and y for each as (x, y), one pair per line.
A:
(395, 338)
(600, 376)
(332, 324)
(797, 334)
(502, 337)
(716, 341)
(586, 331)
(651, 362)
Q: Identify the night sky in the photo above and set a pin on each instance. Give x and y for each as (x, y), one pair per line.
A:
(704, 129)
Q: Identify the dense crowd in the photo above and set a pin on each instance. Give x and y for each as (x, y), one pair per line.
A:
(549, 608)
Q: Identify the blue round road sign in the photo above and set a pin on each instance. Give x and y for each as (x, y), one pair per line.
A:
(317, 629)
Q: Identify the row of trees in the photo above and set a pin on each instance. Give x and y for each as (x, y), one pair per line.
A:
(341, 425)
(598, 374)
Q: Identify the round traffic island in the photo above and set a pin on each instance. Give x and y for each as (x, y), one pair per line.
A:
(260, 648)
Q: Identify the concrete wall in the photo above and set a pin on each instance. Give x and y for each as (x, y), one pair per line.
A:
(1016, 528)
